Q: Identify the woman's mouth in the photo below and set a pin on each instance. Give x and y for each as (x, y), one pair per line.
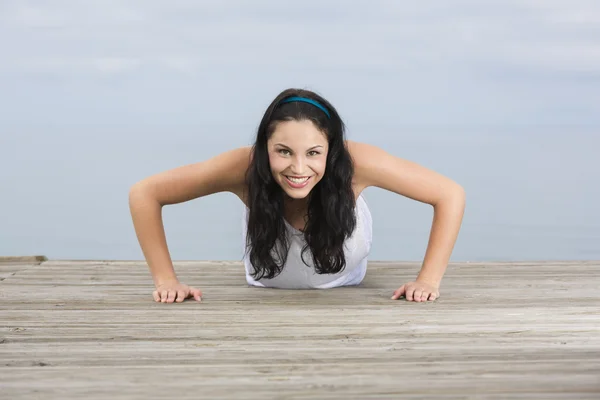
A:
(297, 182)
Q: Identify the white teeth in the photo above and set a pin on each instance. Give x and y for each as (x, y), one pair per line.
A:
(297, 180)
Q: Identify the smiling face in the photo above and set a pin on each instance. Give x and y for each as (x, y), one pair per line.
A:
(298, 157)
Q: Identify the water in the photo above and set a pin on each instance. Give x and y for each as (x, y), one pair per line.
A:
(531, 192)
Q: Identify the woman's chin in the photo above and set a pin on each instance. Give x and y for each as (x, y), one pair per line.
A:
(297, 193)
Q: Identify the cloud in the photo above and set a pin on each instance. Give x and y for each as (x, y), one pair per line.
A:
(446, 52)
(185, 36)
(112, 65)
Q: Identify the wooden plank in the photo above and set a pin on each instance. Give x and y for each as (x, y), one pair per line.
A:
(11, 269)
(500, 330)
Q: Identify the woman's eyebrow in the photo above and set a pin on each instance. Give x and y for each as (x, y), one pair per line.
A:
(283, 145)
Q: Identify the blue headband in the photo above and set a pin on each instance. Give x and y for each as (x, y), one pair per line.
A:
(310, 101)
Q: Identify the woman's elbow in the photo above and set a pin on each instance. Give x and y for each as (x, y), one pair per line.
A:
(453, 193)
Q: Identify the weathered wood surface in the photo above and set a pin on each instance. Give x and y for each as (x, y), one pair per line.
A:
(74, 329)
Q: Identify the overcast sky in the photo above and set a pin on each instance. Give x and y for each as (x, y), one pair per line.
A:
(437, 62)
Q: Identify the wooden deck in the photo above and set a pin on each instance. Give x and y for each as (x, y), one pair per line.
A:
(90, 329)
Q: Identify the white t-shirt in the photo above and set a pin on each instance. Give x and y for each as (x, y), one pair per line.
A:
(297, 275)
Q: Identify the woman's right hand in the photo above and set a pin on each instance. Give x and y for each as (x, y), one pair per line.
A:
(174, 291)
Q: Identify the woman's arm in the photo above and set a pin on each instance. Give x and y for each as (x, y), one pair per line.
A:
(376, 167)
(225, 172)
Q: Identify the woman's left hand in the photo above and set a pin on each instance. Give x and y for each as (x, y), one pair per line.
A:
(417, 291)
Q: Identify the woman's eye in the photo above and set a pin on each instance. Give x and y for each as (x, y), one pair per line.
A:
(287, 152)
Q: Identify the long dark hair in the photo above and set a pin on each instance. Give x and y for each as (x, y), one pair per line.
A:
(331, 202)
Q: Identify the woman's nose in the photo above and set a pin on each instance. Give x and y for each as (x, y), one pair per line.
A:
(298, 165)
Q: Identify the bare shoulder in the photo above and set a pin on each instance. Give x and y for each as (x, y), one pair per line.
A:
(225, 172)
(363, 156)
(374, 166)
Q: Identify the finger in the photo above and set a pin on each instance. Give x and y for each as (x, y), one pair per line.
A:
(163, 296)
(409, 293)
(425, 296)
(432, 297)
(156, 296)
(197, 294)
(418, 293)
(171, 296)
(399, 292)
(181, 296)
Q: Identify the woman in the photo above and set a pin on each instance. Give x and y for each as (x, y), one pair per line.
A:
(306, 223)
